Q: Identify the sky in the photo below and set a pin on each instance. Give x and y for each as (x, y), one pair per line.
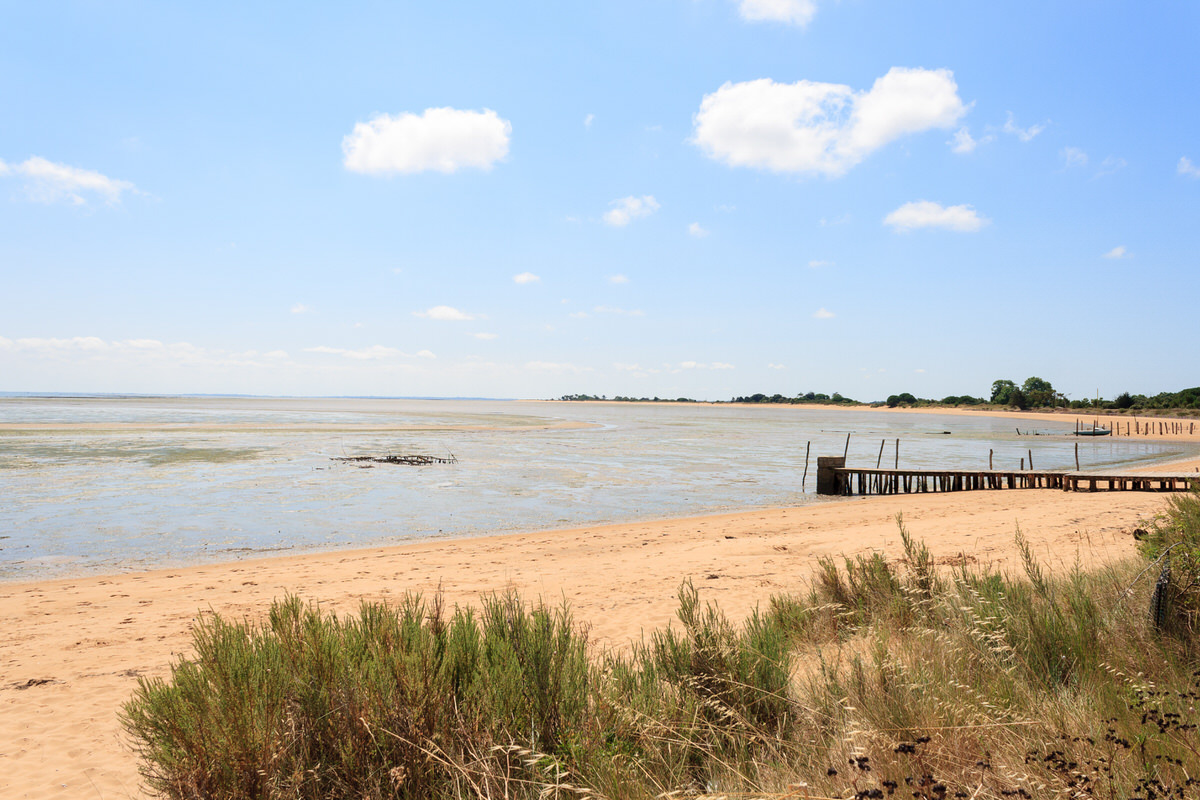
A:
(698, 198)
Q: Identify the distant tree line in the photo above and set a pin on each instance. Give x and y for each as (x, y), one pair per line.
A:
(1035, 392)
(804, 397)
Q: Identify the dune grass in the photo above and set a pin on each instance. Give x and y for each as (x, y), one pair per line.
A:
(881, 678)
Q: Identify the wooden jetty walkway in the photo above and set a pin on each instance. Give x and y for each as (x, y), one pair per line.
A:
(834, 477)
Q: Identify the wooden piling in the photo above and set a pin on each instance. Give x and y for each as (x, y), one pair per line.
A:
(879, 460)
(804, 480)
(846, 451)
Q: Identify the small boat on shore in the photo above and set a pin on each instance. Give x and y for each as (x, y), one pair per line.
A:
(1093, 432)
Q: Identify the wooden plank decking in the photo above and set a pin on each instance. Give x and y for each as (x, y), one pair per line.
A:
(901, 481)
(835, 478)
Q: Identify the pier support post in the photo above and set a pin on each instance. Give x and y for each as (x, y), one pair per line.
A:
(827, 477)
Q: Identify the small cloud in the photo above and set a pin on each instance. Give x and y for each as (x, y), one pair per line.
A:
(822, 313)
(919, 371)
(725, 208)
(373, 353)
(789, 12)
(696, 230)
(1186, 167)
(627, 209)
(487, 337)
(526, 277)
(1074, 157)
(844, 219)
(963, 142)
(300, 308)
(579, 315)
(927, 214)
(397, 270)
(276, 354)
(820, 264)
(1024, 134)
(553, 366)
(776, 366)
(439, 140)
(1110, 166)
(425, 354)
(619, 312)
(700, 365)
(587, 121)
(446, 314)
(49, 182)
(618, 279)
(1117, 252)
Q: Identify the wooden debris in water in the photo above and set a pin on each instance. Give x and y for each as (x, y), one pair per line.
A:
(412, 461)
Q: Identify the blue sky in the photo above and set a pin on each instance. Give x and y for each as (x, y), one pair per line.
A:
(667, 197)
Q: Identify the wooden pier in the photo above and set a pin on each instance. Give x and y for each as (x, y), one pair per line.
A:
(833, 477)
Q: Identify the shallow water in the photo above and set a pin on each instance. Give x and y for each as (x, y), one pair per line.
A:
(104, 485)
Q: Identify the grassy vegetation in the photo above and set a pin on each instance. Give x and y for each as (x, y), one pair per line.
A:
(882, 678)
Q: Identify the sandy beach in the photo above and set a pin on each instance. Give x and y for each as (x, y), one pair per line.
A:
(73, 649)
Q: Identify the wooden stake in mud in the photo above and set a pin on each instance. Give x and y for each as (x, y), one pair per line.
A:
(847, 450)
(1022, 465)
(879, 460)
(1077, 456)
(990, 451)
(897, 454)
(1031, 459)
(804, 480)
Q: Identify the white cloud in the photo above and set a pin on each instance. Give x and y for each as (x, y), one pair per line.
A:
(441, 139)
(822, 128)
(425, 354)
(819, 264)
(1110, 165)
(776, 366)
(700, 365)
(823, 313)
(552, 366)
(1074, 157)
(526, 277)
(587, 121)
(790, 12)
(695, 229)
(1117, 252)
(620, 312)
(1186, 167)
(487, 337)
(373, 353)
(630, 208)
(963, 142)
(617, 279)
(140, 353)
(579, 315)
(927, 214)
(300, 308)
(445, 314)
(1024, 134)
(48, 182)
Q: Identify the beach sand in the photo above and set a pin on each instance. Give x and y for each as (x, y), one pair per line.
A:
(72, 649)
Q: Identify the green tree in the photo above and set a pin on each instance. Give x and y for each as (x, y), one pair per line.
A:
(1038, 392)
(1002, 391)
